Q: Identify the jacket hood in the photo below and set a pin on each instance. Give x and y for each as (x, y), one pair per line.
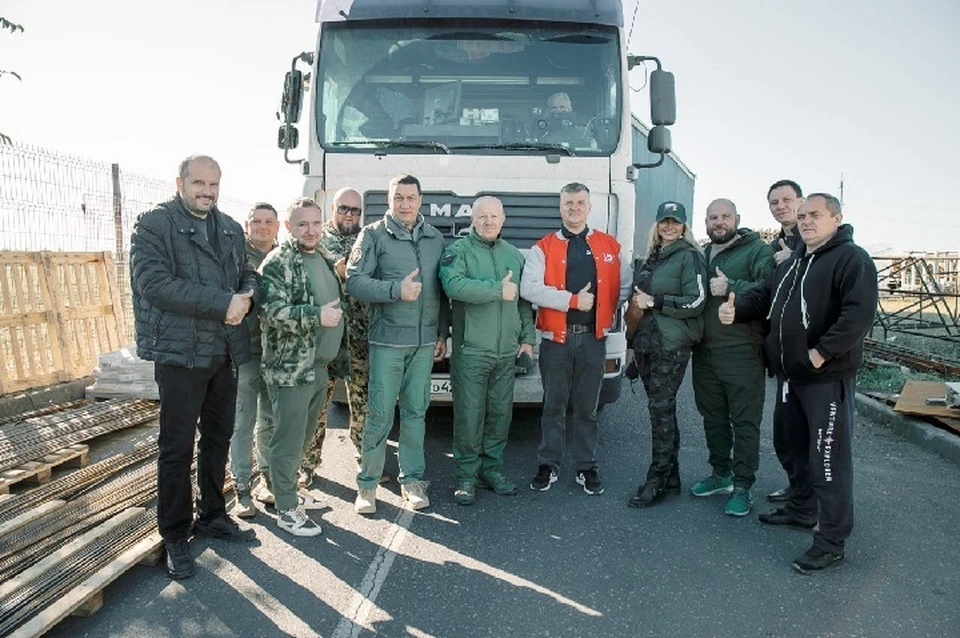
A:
(844, 235)
(680, 244)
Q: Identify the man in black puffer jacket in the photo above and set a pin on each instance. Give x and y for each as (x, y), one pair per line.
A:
(192, 288)
(820, 304)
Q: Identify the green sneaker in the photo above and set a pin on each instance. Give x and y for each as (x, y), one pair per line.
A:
(713, 484)
(466, 493)
(497, 482)
(739, 503)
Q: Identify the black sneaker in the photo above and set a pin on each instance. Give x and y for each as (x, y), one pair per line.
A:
(546, 476)
(780, 516)
(224, 528)
(180, 563)
(590, 480)
(815, 560)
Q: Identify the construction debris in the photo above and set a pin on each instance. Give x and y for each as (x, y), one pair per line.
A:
(123, 374)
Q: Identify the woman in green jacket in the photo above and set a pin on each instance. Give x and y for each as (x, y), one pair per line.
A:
(670, 290)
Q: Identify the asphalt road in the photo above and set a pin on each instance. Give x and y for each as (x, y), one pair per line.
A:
(562, 563)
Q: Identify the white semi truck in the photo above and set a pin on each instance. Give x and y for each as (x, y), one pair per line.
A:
(511, 98)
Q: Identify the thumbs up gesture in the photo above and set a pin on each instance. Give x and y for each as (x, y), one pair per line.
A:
(783, 254)
(727, 310)
(508, 288)
(410, 289)
(330, 314)
(718, 284)
(585, 298)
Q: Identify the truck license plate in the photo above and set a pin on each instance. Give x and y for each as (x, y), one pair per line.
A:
(440, 386)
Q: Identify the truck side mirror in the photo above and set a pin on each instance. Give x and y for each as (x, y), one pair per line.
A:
(291, 102)
(663, 98)
(659, 140)
(288, 137)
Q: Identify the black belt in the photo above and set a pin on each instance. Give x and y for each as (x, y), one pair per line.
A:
(578, 328)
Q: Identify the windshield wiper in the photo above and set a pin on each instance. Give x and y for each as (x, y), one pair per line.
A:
(397, 144)
(520, 146)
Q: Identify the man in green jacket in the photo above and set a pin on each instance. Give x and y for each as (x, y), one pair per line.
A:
(394, 267)
(728, 372)
(254, 418)
(491, 327)
(302, 333)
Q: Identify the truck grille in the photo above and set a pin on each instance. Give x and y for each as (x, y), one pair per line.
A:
(529, 216)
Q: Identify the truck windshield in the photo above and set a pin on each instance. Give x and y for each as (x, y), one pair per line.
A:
(503, 89)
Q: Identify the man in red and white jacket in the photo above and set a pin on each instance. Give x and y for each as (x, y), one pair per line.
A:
(578, 280)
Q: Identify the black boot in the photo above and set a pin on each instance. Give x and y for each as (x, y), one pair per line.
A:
(673, 483)
(649, 493)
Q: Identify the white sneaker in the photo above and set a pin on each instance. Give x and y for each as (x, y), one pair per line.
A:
(415, 493)
(298, 523)
(244, 507)
(366, 502)
(263, 494)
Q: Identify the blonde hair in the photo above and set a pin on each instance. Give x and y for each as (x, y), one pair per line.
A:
(653, 241)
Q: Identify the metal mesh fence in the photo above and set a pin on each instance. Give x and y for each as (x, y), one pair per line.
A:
(53, 201)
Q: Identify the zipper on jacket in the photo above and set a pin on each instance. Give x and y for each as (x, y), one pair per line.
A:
(783, 310)
(416, 252)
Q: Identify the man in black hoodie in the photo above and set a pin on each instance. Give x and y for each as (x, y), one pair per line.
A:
(820, 304)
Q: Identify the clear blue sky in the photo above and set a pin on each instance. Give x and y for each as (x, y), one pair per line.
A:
(766, 89)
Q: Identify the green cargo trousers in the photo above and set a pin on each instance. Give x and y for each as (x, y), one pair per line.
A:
(729, 385)
(482, 411)
(403, 373)
(295, 412)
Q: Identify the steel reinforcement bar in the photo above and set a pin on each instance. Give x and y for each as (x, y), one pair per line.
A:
(33, 596)
(24, 546)
(68, 486)
(50, 409)
(31, 439)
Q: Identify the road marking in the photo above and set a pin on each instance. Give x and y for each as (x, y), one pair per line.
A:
(364, 600)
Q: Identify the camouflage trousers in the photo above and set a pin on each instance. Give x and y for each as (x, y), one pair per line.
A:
(356, 400)
(661, 372)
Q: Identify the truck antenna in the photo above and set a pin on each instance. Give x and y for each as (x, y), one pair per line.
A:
(633, 21)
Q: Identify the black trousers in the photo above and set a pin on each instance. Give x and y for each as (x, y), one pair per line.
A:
(572, 375)
(186, 396)
(781, 434)
(819, 438)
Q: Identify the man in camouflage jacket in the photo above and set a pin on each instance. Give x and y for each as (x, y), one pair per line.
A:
(339, 235)
(302, 333)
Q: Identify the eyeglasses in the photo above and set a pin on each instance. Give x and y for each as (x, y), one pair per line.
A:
(348, 210)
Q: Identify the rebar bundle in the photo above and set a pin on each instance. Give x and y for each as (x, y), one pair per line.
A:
(68, 486)
(32, 438)
(50, 409)
(27, 599)
(26, 545)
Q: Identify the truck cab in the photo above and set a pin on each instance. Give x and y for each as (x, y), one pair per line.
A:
(474, 97)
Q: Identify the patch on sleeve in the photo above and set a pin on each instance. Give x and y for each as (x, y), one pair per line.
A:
(447, 259)
(356, 253)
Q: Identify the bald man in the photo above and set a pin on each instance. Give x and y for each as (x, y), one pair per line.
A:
(492, 326)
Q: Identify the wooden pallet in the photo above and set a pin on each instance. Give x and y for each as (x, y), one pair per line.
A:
(40, 471)
(86, 598)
